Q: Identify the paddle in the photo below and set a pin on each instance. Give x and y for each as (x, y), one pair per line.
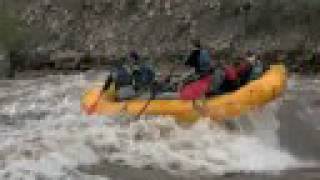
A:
(143, 109)
(106, 86)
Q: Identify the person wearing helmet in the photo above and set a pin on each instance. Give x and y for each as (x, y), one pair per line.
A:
(231, 77)
(123, 82)
(257, 66)
(218, 76)
(199, 59)
(197, 83)
(244, 70)
(142, 73)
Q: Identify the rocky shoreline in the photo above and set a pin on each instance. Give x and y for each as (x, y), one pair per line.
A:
(79, 35)
(71, 61)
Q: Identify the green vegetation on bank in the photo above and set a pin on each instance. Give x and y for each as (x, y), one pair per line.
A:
(13, 33)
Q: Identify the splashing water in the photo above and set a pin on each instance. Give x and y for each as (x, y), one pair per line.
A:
(44, 134)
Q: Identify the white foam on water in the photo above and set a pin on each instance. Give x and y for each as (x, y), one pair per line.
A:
(201, 148)
(303, 83)
(54, 145)
(51, 147)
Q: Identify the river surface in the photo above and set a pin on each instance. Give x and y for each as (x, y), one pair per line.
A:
(44, 135)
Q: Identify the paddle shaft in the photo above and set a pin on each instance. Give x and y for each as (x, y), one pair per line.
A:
(152, 97)
(106, 86)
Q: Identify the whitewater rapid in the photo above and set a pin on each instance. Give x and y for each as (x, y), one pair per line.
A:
(43, 134)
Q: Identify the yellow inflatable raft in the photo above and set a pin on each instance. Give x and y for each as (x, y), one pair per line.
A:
(255, 94)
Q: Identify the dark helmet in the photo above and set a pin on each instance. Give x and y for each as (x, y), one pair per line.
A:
(134, 55)
(196, 43)
(251, 52)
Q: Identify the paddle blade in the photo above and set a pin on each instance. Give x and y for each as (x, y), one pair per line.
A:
(92, 97)
(90, 100)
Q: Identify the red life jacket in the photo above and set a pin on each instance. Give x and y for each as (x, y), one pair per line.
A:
(242, 68)
(196, 89)
(230, 73)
